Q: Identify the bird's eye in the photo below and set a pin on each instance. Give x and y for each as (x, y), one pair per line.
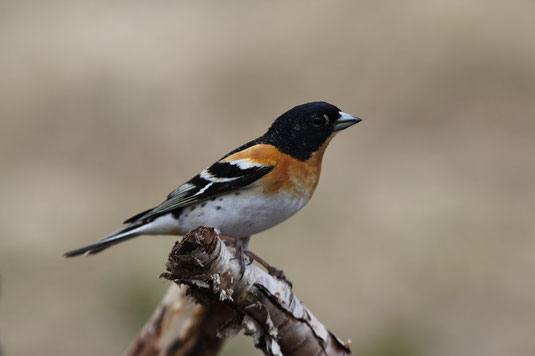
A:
(320, 121)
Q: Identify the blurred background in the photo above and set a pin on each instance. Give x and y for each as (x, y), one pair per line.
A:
(420, 239)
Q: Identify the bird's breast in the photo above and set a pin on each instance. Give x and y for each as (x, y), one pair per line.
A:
(294, 177)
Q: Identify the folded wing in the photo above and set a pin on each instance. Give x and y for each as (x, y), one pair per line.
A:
(220, 178)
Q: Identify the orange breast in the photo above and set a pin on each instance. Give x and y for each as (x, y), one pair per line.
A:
(290, 175)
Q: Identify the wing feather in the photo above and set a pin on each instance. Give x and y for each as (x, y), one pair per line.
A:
(219, 178)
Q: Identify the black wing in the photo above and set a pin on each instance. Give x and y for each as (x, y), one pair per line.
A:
(219, 178)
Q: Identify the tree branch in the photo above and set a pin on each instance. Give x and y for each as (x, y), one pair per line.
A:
(263, 306)
(179, 327)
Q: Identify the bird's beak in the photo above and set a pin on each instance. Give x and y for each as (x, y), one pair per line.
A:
(344, 121)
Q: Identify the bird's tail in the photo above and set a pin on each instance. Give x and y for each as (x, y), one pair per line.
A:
(126, 233)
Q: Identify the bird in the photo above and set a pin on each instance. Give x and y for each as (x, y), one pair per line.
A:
(249, 190)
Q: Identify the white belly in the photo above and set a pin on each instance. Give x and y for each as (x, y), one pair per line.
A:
(240, 214)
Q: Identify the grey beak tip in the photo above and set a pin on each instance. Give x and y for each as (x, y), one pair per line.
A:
(346, 121)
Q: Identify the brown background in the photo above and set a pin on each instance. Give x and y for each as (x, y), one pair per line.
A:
(420, 237)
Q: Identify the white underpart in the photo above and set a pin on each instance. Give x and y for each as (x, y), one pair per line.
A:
(241, 215)
(162, 225)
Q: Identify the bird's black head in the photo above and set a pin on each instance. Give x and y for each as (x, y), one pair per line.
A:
(301, 131)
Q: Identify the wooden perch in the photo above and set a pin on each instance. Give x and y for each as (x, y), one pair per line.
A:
(226, 302)
(180, 327)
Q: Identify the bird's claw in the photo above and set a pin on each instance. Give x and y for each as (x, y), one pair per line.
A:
(240, 256)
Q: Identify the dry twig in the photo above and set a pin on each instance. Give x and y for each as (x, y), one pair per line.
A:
(263, 306)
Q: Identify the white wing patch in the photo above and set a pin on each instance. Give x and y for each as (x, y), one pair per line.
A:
(245, 163)
(204, 188)
(211, 178)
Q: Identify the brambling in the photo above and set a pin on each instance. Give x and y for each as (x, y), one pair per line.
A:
(249, 190)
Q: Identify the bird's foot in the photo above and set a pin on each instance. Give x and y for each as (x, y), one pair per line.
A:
(239, 246)
(240, 256)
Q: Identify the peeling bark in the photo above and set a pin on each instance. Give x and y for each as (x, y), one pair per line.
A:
(179, 327)
(263, 306)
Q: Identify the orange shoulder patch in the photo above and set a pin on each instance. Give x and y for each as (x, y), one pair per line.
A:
(263, 154)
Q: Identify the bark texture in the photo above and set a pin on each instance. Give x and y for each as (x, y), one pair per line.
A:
(179, 327)
(226, 302)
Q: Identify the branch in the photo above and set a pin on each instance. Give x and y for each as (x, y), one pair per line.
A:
(179, 327)
(262, 305)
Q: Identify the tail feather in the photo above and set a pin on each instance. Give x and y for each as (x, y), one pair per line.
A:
(124, 234)
(137, 216)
